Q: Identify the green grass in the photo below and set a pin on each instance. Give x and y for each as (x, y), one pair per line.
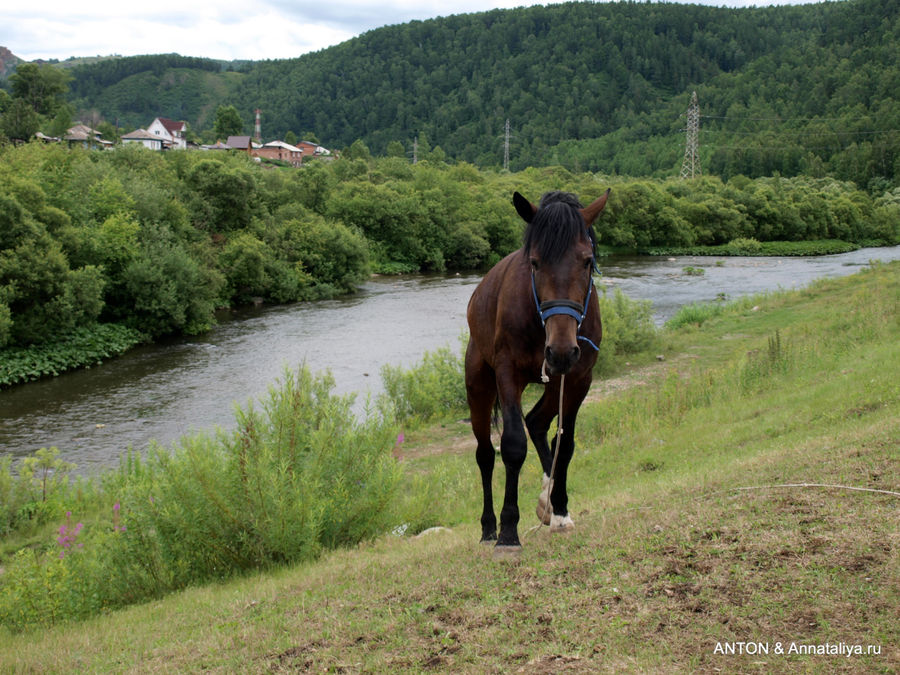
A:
(692, 530)
(752, 247)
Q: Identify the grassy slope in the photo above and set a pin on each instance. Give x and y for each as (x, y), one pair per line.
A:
(669, 556)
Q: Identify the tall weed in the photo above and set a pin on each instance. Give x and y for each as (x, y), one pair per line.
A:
(298, 475)
(628, 328)
(431, 388)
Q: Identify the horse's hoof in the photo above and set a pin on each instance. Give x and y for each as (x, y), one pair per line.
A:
(507, 551)
(561, 524)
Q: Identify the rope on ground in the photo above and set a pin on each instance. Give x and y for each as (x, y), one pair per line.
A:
(812, 485)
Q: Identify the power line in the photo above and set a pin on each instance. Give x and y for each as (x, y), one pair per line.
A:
(774, 119)
(800, 132)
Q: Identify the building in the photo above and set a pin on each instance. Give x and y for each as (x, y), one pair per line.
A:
(281, 151)
(82, 134)
(243, 143)
(313, 150)
(169, 132)
(143, 137)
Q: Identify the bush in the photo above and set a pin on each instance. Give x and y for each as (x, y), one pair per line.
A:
(628, 328)
(298, 475)
(429, 389)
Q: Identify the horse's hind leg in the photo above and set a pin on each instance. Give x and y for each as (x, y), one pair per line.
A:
(481, 394)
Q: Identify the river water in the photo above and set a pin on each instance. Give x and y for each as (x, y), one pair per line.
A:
(163, 391)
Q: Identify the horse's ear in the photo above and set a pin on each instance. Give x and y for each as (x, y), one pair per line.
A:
(591, 211)
(524, 207)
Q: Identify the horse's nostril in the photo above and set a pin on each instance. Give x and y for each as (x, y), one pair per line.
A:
(561, 362)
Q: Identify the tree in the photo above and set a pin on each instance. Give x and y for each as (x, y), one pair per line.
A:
(228, 122)
(61, 122)
(20, 121)
(42, 87)
(395, 149)
(290, 138)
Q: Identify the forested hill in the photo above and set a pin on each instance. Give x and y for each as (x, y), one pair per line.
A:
(601, 87)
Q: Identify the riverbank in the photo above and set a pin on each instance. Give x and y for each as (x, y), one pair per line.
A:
(92, 345)
(165, 390)
(710, 516)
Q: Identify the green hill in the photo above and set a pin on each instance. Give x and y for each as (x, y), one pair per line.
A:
(599, 87)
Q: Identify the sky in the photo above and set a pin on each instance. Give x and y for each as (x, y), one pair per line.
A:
(222, 29)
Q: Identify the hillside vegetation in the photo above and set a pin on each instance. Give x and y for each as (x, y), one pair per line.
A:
(805, 89)
(744, 491)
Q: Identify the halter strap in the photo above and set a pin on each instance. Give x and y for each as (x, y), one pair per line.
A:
(571, 308)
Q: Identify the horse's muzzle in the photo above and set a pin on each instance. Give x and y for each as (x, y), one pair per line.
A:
(561, 361)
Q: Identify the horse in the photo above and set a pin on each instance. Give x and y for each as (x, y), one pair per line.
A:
(534, 314)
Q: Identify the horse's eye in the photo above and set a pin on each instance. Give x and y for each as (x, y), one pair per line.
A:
(587, 263)
(534, 264)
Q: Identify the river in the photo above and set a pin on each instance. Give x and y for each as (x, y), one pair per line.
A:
(163, 391)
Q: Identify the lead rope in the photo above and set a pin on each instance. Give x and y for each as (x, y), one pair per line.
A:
(559, 430)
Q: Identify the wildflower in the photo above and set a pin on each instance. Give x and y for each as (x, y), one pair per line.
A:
(396, 451)
(68, 535)
(116, 526)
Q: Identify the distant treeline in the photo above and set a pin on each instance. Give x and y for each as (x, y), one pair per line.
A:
(89, 81)
(808, 89)
(157, 241)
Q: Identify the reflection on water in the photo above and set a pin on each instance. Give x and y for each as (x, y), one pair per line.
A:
(165, 390)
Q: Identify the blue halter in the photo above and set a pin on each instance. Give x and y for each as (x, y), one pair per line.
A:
(571, 308)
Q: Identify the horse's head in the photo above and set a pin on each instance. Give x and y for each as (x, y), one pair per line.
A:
(560, 248)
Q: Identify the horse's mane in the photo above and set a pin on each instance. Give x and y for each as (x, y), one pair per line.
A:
(556, 227)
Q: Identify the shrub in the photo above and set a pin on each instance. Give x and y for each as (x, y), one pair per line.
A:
(429, 389)
(298, 475)
(628, 328)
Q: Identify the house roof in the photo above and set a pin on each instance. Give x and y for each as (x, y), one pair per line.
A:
(140, 135)
(80, 132)
(171, 125)
(283, 145)
(238, 142)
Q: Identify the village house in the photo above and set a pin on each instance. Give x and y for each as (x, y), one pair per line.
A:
(82, 134)
(313, 150)
(169, 132)
(143, 137)
(243, 143)
(281, 151)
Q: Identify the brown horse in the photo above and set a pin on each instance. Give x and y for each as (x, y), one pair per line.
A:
(534, 313)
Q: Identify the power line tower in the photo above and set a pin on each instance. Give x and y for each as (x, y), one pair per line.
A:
(257, 128)
(506, 147)
(690, 167)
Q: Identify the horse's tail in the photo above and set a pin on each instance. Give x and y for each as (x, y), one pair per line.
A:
(497, 417)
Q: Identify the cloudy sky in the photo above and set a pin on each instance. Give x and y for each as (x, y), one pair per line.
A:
(221, 29)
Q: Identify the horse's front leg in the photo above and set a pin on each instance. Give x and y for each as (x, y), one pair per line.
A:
(552, 508)
(559, 497)
(513, 448)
